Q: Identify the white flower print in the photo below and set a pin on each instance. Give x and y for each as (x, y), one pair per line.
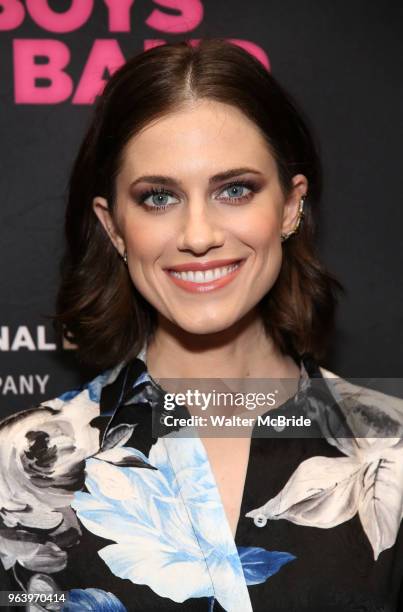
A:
(324, 492)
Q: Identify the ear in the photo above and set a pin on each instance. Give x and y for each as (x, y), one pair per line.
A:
(101, 209)
(292, 203)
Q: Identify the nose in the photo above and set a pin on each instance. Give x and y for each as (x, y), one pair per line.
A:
(200, 229)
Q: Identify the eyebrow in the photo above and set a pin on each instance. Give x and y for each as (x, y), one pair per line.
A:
(217, 178)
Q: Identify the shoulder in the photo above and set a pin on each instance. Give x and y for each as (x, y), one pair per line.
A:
(369, 412)
(42, 459)
(38, 439)
(366, 478)
(86, 397)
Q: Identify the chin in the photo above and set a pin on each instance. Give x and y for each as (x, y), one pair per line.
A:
(205, 326)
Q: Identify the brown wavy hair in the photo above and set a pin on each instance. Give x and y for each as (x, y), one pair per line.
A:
(98, 307)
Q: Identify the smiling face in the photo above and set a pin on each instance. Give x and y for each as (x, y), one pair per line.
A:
(199, 186)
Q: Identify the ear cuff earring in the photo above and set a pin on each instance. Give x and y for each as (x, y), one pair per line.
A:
(300, 215)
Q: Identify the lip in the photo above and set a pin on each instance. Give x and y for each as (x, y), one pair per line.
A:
(203, 265)
(218, 283)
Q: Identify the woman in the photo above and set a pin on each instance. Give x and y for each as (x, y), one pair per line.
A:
(190, 232)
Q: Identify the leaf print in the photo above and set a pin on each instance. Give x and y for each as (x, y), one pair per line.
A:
(118, 436)
(118, 456)
(258, 564)
(322, 492)
(93, 600)
(381, 506)
(128, 461)
(42, 583)
(325, 492)
(366, 409)
(155, 543)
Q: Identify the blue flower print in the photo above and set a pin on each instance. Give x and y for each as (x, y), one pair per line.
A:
(92, 600)
(259, 564)
(139, 509)
(158, 538)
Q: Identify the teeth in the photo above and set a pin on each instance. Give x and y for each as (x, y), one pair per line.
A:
(206, 276)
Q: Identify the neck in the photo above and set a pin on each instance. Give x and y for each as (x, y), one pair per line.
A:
(241, 351)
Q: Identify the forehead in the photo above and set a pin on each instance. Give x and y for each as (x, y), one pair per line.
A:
(201, 137)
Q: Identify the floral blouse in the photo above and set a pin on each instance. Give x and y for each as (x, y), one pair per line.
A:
(95, 504)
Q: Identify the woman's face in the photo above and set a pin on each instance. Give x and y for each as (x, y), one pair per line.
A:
(200, 186)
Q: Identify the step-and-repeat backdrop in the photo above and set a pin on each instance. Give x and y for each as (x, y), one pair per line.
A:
(341, 61)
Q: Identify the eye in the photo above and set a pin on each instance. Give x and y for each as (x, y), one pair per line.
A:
(159, 199)
(238, 191)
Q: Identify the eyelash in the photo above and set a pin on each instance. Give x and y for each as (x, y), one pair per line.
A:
(162, 191)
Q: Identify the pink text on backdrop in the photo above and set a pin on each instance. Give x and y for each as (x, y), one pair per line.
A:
(41, 65)
(105, 55)
(14, 12)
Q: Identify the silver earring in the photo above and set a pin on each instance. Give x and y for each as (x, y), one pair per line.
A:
(124, 257)
(300, 215)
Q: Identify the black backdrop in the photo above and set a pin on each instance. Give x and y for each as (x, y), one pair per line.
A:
(342, 62)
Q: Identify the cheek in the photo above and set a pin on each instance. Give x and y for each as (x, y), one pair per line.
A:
(146, 243)
(144, 240)
(262, 232)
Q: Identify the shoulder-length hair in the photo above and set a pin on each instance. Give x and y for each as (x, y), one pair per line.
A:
(98, 307)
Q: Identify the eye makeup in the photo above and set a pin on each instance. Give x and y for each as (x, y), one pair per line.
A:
(251, 187)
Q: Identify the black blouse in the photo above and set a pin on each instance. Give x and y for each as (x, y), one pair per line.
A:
(103, 503)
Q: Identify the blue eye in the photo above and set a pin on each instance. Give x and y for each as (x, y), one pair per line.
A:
(239, 190)
(159, 199)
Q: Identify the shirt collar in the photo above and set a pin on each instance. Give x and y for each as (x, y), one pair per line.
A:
(133, 385)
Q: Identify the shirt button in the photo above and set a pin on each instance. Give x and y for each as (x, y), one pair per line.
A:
(260, 520)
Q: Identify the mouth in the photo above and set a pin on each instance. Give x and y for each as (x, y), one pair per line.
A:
(201, 281)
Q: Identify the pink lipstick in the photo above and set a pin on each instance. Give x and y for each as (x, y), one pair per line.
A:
(202, 277)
